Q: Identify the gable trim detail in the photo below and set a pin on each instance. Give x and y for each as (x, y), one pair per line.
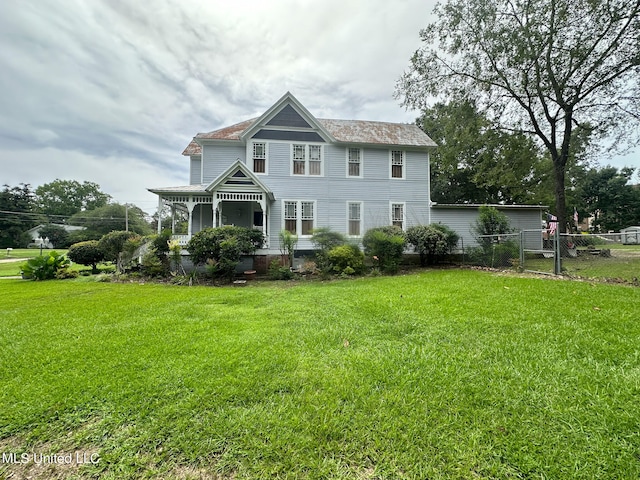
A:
(287, 110)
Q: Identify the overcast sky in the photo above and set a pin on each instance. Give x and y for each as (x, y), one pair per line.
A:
(112, 91)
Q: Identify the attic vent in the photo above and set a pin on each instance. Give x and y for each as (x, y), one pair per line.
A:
(239, 174)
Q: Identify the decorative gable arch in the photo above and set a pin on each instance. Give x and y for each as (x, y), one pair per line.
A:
(238, 185)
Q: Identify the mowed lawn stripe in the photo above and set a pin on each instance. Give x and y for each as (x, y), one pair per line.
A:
(440, 374)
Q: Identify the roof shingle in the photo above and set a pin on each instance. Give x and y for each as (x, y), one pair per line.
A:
(345, 131)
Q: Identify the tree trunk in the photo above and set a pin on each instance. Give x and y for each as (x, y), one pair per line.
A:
(561, 203)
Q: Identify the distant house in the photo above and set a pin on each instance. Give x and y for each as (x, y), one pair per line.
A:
(288, 170)
(38, 241)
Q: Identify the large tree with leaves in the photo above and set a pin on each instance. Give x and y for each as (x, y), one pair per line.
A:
(551, 68)
(606, 195)
(16, 215)
(66, 197)
(476, 163)
(109, 218)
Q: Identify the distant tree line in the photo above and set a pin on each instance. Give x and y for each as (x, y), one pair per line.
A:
(475, 162)
(64, 202)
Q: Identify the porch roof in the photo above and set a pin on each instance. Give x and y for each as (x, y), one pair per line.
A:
(190, 189)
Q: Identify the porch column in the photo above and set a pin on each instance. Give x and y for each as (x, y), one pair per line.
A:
(216, 211)
(173, 219)
(159, 214)
(190, 206)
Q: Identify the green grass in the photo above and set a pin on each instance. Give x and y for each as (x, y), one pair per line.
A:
(11, 266)
(441, 374)
(623, 264)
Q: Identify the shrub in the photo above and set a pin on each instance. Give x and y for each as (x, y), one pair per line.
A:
(222, 247)
(504, 254)
(118, 247)
(288, 244)
(490, 221)
(112, 244)
(45, 267)
(152, 265)
(159, 246)
(277, 271)
(347, 259)
(432, 242)
(86, 253)
(324, 239)
(385, 245)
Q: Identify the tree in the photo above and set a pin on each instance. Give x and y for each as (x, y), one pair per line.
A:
(550, 68)
(491, 221)
(16, 215)
(607, 195)
(113, 216)
(66, 197)
(86, 253)
(476, 163)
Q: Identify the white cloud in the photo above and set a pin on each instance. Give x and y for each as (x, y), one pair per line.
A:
(112, 91)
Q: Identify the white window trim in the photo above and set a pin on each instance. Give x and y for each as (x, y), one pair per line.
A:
(348, 219)
(306, 159)
(249, 163)
(361, 162)
(404, 213)
(299, 215)
(404, 164)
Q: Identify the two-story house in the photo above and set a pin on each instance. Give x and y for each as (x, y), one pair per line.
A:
(288, 170)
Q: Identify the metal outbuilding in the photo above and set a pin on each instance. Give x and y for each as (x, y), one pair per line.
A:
(630, 235)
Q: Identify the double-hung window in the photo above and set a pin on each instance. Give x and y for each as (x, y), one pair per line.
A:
(259, 157)
(354, 162)
(398, 215)
(299, 217)
(354, 215)
(397, 164)
(306, 159)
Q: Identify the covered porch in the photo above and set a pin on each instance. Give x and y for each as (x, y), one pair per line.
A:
(236, 197)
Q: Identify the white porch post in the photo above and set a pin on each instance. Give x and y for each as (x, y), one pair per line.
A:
(173, 219)
(159, 213)
(190, 206)
(216, 211)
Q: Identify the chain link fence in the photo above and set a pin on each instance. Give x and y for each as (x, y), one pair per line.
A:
(599, 256)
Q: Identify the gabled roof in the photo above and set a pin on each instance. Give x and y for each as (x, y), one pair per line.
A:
(68, 228)
(287, 101)
(238, 174)
(341, 131)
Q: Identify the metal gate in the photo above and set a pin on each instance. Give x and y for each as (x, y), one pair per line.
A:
(539, 251)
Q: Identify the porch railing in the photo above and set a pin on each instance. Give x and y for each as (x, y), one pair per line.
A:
(182, 239)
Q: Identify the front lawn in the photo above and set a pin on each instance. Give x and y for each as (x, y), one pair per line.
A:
(440, 374)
